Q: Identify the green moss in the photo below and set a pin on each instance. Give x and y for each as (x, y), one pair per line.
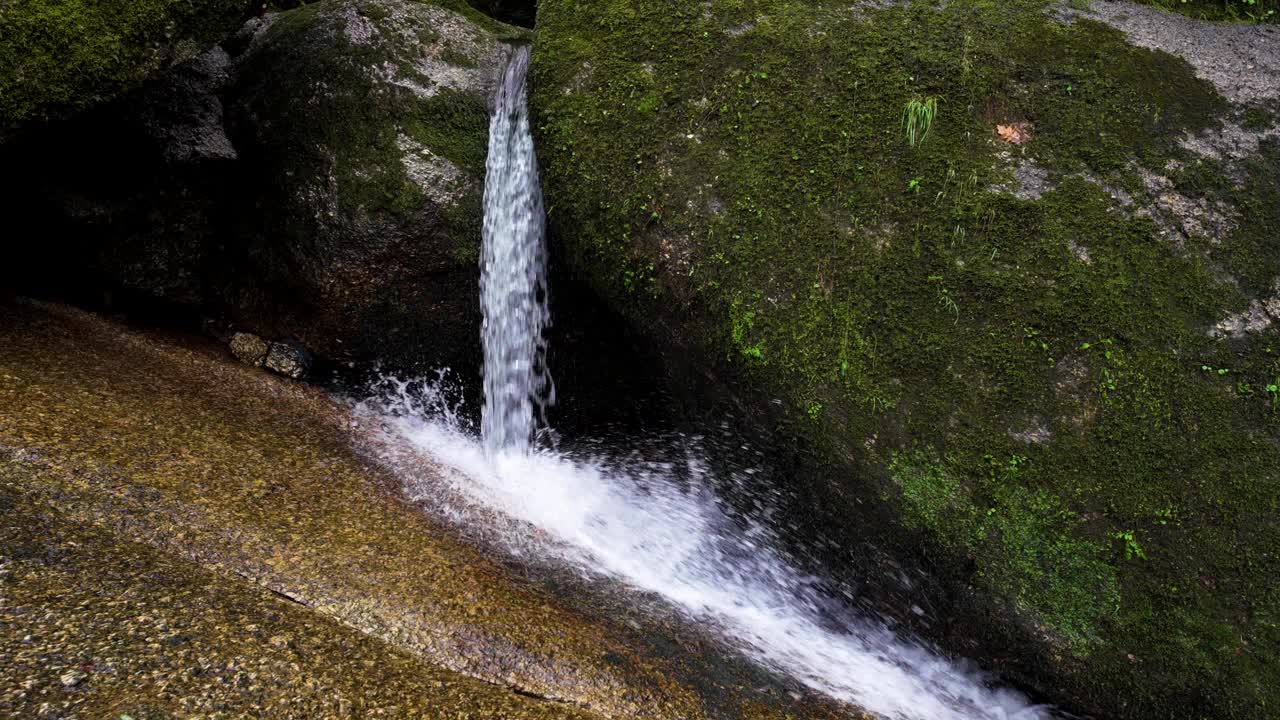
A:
(753, 151)
(58, 58)
(467, 226)
(374, 11)
(1022, 539)
(1042, 556)
(458, 58)
(1098, 103)
(932, 496)
(355, 132)
(503, 31)
(454, 124)
(1257, 118)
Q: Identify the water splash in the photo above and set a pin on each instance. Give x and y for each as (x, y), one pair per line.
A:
(513, 290)
(657, 523)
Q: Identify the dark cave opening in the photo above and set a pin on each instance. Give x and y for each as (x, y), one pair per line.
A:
(514, 12)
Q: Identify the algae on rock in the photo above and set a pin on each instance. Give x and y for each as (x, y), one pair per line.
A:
(317, 176)
(58, 58)
(363, 126)
(1026, 382)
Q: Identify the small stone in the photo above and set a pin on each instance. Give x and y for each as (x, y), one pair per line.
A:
(289, 359)
(72, 678)
(249, 348)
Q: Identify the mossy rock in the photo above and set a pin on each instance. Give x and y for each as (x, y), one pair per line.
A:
(59, 58)
(1035, 353)
(363, 125)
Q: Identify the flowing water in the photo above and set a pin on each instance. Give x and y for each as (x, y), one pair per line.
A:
(659, 526)
(513, 292)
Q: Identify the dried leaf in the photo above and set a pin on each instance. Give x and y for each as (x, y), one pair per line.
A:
(1014, 133)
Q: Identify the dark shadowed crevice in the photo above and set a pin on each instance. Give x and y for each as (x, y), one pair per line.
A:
(515, 12)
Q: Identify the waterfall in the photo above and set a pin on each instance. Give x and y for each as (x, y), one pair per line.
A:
(656, 522)
(513, 286)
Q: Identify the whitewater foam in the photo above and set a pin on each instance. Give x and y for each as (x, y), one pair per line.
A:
(656, 524)
(661, 528)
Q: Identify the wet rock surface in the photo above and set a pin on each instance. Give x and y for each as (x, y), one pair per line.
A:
(1006, 356)
(212, 536)
(1242, 60)
(95, 626)
(364, 221)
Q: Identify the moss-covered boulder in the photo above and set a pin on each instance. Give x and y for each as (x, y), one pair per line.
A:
(1014, 280)
(318, 175)
(363, 126)
(57, 58)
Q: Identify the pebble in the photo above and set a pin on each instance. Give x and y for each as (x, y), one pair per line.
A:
(249, 348)
(289, 359)
(72, 678)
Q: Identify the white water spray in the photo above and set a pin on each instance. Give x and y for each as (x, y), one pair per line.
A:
(657, 525)
(513, 292)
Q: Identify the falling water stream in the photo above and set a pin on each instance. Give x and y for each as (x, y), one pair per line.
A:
(657, 526)
(513, 291)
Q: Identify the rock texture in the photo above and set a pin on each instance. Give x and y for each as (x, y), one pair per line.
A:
(317, 176)
(97, 626)
(58, 58)
(184, 534)
(249, 348)
(365, 125)
(288, 359)
(1030, 367)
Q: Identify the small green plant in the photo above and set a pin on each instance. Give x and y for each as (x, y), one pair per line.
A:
(1032, 338)
(914, 184)
(944, 297)
(815, 411)
(1131, 547)
(946, 183)
(1273, 390)
(917, 119)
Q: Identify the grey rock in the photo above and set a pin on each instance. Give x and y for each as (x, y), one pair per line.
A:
(1242, 61)
(183, 113)
(367, 227)
(294, 180)
(290, 359)
(249, 348)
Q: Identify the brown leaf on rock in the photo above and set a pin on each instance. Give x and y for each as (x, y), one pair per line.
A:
(1016, 133)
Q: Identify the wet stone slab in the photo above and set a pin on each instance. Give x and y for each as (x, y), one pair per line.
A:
(244, 489)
